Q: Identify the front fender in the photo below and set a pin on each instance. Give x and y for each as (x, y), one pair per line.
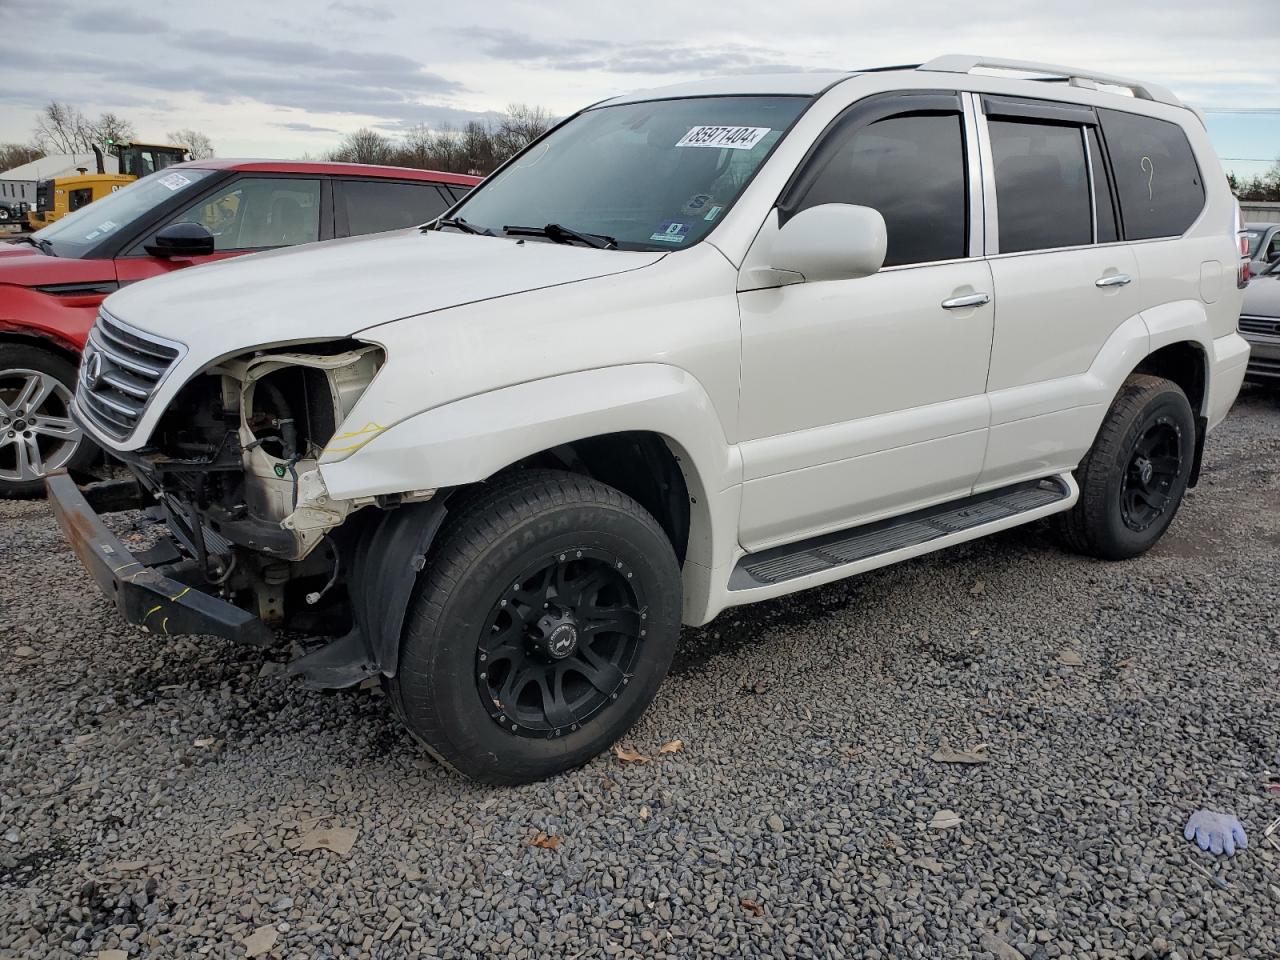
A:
(471, 439)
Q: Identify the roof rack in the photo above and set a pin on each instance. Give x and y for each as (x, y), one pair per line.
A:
(1088, 79)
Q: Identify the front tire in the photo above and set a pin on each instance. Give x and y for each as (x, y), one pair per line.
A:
(37, 435)
(1134, 476)
(545, 623)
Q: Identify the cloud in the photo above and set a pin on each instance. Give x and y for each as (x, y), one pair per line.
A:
(117, 20)
(363, 11)
(297, 126)
(613, 57)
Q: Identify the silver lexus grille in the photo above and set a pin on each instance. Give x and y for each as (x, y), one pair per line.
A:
(1269, 325)
(119, 370)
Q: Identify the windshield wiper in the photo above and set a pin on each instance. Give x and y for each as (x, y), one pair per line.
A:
(459, 224)
(557, 233)
(40, 243)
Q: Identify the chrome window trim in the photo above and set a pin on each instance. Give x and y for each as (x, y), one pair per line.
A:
(990, 213)
(976, 192)
(1093, 196)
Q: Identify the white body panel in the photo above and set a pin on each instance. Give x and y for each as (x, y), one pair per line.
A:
(795, 408)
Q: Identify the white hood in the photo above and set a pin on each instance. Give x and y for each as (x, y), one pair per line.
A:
(333, 289)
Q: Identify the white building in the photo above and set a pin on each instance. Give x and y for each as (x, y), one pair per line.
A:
(20, 182)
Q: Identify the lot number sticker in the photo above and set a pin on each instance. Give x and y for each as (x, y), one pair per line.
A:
(174, 181)
(733, 138)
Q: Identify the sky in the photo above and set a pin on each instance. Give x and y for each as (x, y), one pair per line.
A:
(289, 77)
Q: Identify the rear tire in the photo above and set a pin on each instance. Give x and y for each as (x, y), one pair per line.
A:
(36, 432)
(1134, 476)
(542, 629)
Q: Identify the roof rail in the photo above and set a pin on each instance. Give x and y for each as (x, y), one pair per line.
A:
(1089, 79)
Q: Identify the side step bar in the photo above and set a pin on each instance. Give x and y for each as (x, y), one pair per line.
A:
(994, 508)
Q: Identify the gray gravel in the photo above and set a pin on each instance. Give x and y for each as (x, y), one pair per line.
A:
(154, 795)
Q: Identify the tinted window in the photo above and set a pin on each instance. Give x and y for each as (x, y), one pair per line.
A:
(457, 192)
(1042, 185)
(1104, 209)
(254, 213)
(911, 169)
(374, 206)
(1159, 184)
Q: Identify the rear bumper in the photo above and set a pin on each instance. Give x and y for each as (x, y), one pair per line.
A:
(1226, 374)
(144, 596)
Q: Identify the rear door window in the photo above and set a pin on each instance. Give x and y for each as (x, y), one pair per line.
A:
(372, 206)
(1160, 187)
(1042, 185)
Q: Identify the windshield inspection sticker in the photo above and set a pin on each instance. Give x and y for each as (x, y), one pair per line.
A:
(174, 181)
(734, 138)
(672, 231)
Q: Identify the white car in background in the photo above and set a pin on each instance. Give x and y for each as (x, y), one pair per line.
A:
(696, 347)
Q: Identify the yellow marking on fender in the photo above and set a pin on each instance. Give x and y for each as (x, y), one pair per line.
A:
(164, 625)
(366, 433)
(126, 566)
(180, 595)
(151, 611)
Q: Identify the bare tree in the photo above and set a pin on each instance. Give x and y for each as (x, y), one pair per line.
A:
(364, 146)
(199, 145)
(61, 128)
(110, 128)
(521, 125)
(16, 154)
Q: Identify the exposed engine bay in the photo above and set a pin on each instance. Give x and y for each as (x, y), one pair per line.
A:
(233, 466)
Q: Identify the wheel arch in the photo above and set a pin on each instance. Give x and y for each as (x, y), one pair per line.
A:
(63, 349)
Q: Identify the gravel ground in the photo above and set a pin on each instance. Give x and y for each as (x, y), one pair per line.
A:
(159, 798)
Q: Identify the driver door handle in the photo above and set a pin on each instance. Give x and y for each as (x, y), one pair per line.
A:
(972, 300)
(1115, 280)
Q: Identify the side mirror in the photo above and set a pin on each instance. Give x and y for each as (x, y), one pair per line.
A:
(832, 241)
(181, 240)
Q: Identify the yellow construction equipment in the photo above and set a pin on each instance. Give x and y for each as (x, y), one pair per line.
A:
(57, 197)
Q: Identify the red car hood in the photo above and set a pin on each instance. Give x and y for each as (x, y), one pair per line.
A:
(23, 265)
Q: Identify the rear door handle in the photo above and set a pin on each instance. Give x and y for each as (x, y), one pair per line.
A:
(972, 300)
(1115, 280)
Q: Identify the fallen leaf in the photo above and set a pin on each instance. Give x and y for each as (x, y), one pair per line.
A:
(753, 908)
(339, 840)
(948, 754)
(608, 784)
(978, 588)
(238, 829)
(671, 746)
(1123, 664)
(928, 863)
(629, 755)
(260, 942)
(546, 841)
(204, 742)
(944, 819)
(1069, 658)
(644, 813)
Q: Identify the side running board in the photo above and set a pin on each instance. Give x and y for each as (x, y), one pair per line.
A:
(793, 560)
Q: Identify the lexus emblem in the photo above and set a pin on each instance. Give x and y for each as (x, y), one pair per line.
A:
(93, 370)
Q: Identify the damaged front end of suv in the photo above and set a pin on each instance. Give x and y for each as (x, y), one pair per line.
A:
(239, 511)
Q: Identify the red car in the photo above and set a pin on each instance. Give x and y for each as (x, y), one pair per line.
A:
(52, 282)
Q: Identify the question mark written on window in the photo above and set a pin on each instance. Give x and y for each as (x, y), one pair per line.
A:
(1150, 169)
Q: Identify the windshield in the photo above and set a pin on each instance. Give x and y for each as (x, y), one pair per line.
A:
(74, 234)
(654, 176)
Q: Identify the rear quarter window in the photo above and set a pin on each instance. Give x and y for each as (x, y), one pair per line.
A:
(1159, 183)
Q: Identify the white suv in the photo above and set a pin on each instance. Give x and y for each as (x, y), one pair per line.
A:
(696, 347)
